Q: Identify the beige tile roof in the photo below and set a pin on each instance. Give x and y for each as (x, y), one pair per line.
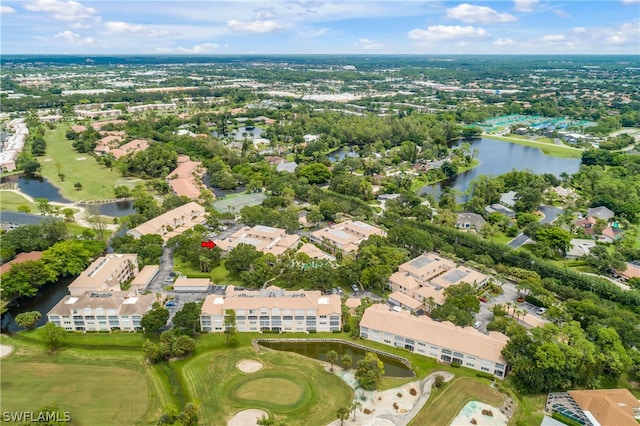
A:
(180, 219)
(632, 271)
(443, 334)
(145, 275)
(405, 300)
(136, 145)
(314, 252)
(100, 275)
(610, 407)
(118, 301)
(427, 266)
(272, 297)
(191, 282)
(264, 238)
(185, 179)
(353, 302)
(404, 280)
(347, 235)
(461, 274)
(423, 293)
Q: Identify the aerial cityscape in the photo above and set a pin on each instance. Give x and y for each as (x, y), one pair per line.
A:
(320, 213)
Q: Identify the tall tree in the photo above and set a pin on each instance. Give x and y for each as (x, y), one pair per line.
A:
(52, 335)
(370, 370)
(230, 327)
(332, 357)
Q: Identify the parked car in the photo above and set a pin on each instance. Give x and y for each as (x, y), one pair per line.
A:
(477, 324)
(483, 299)
(354, 288)
(170, 304)
(541, 311)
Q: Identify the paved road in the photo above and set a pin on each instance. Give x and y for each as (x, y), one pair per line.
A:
(550, 214)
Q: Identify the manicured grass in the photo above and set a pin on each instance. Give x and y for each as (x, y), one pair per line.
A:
(220, 275)
(530, 409)
(445, 404)
(92, 394)
(101, 379)
(222, 390)
(10, 201)
(553, 150)
(97, 181)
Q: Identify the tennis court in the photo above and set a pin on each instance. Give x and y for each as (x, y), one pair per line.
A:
(233, 203)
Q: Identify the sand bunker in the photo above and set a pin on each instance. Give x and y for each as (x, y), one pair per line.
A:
(247, 417)
(249, 366)
(5, 350)
(473, 411)
(81, 158)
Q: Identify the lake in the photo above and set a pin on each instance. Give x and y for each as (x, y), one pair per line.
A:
(318, 350)
(47, 297)
(115, 208)
(498, 157)
(36, 187)
(342, 153)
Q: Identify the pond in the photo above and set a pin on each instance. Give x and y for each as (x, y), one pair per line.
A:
(498, 157)
(318, 350)
(36, 187)
(115, 208)
(47, 297)
(342, 153)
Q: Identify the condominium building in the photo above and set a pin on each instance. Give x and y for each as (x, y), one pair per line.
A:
(101, 311)
(185, 180)
(273, 309)
(172, 223)
(346, 236)
(461, 274)
(106, 273)
(151, 107)
(441, 340)
(596, 407)
(417, 272)
(264, 238)
(95, 114)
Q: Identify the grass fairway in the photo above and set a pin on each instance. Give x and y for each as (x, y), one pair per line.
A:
(93, 395)
(295, 389)
(551, 149)
(99, 379)
(444, 405)
(97, 181)
(10, 201)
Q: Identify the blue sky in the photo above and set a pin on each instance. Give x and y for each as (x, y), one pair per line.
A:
(320, 27)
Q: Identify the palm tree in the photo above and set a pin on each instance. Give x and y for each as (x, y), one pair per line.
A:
(343, 414)
(354, 406)
(332, 357)
(346, 361)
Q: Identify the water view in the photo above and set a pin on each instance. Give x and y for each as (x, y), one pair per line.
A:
(46, 299)
(497, 157)
(116, 208)
(35, 187)
(318, 350)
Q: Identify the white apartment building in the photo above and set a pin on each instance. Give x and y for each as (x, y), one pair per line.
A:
(444, 341)
(101, 311)
(106, 273)
(273, 309)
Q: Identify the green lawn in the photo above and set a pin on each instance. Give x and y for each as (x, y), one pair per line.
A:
(97, 181)
(445, 404)
(219, 274)
(294, 389)
(10, 201)
(99, 379)
(553, 150)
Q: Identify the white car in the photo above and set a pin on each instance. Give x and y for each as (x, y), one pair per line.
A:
(541, 311)
(477, 324)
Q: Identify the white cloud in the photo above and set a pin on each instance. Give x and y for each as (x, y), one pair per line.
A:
(313, 33)
(367, 44)
(472, 14)
(199, 48)
(552, 38)
(62, 10)
(120, 27)
(256, 26)
(6, 10)
(443, 32)
(73, 38)
(525, 5)
(504, 42)
(561, 13)
(579, 30)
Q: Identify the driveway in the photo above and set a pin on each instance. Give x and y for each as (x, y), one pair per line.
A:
(550, 214)
(509, 295)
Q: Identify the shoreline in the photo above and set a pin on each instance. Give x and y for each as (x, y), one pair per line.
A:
(552, 150)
